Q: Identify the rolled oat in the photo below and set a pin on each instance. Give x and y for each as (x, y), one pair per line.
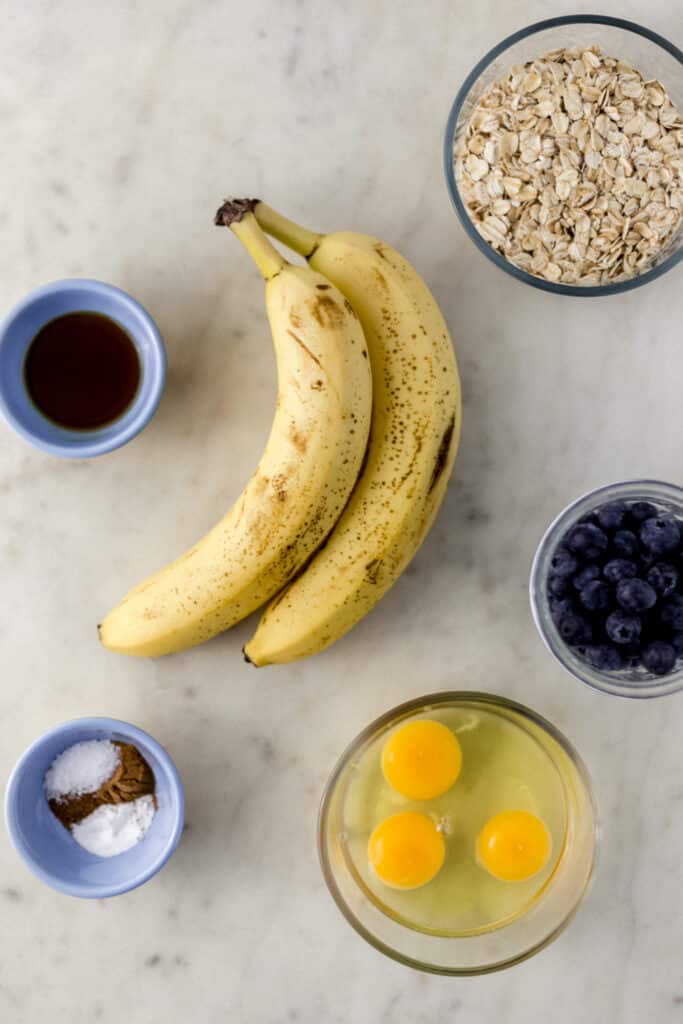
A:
(572, 168)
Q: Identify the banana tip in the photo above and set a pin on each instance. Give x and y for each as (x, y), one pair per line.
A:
(252, 661)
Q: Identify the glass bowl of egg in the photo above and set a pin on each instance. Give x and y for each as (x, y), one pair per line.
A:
(457, 833)
(562, 155)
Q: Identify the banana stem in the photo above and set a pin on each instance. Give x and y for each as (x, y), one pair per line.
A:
(299, 239)
(237, 215)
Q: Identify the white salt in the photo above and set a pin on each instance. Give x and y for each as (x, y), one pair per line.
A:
(115, 828)
(82, 768)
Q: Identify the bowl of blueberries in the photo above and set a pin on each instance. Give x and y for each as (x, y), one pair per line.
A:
(607, 588)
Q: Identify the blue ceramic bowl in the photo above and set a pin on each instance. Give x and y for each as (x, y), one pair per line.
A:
(20, 327)
(49, 849)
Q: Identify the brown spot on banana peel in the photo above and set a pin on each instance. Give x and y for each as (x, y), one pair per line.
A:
(299, 440)
(239, 511)
(442, 454)
(316, 312)
(280, 597)
(297, 573)
(280, 482)
(260, 482)
(419, 439)
(323, 287)
(381, 279)
(305, 347)
(284, 560)
(326, 311)
(373, 570)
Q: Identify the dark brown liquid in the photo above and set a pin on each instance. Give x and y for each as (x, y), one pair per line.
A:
(82, 370)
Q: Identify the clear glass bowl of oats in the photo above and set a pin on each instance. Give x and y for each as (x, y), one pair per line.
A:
(564, 155)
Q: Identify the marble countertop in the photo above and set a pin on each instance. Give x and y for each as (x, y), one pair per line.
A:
(123, 126)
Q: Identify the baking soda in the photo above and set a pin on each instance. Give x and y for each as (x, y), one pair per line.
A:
(115, 828)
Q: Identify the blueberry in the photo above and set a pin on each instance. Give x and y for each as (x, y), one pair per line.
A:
(641, 510)
(623, 628)
(603, 656)
(610, 517)
(563, 563)
(585, 575)
(619, 569)
(558, 585)
(635, 595)
(659, 658)
(660, 535)
(595, 596)
(631, 654)
(663, 577)
(677, 641)
(647, 559)
(587, 540)
(672, 613)
(625, 543)
(574, 629)
(559, 606)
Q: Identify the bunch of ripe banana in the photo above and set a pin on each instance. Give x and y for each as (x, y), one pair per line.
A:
(362, 445)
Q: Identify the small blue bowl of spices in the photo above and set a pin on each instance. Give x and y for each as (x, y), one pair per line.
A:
(94, 807)
(82, 368)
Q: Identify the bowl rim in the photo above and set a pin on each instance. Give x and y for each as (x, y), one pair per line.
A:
(143, 741)
(449, 169)
(415, 704)
(87, 444)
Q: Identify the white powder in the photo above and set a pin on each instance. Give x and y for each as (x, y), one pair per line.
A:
(115, 828)
(82, 768)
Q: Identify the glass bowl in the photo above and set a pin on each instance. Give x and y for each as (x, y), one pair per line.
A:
(486, 949)
(627, 682)
(647, 51)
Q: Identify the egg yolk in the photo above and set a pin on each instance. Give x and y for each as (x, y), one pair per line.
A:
(421, 760)
(514, 845)
(406, 850)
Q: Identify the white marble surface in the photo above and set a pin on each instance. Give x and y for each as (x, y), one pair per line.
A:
(123, 125)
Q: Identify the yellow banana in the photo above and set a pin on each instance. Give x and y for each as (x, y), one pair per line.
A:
(308, 468)
(413, 441)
